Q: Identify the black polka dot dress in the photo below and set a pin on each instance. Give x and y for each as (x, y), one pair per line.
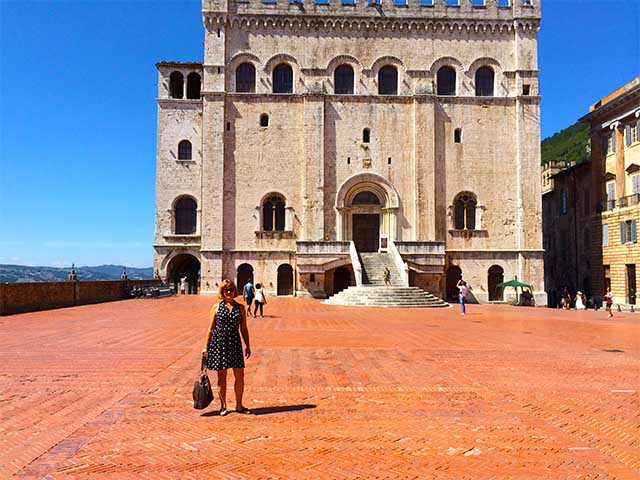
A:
(225, 348)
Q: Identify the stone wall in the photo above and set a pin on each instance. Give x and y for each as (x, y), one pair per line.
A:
(33, 296)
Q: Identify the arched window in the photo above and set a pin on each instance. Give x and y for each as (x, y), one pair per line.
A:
(264, 120)
(246, 78)
(457, 135)
(484, 82)
(366, 198)
(283, 79)
(273, 213)
(176, 85)
(193, 86)
(186, 216)
(366, 135)
(446, 81)
(388, 80)
(465, 212)
(184, 150)
(343, 80)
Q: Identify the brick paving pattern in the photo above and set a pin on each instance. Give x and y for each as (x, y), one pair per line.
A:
(103, 391)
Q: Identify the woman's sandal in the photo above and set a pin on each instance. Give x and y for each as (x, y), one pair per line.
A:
(223, 412)
(244, 410)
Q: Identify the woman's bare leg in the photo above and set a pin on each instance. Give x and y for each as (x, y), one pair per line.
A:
(238, 386)
(222, 389)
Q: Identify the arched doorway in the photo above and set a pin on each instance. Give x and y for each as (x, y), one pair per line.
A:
(496, 276)
(285, 279)
(454, 273)
(341, 279)
(184, 265)
(365, 220)
(244, 274)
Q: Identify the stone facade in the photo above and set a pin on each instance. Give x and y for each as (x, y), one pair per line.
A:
(567, 237)
(615, 183)
(412, 152)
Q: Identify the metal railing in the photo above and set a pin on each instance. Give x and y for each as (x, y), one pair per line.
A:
(629, 201)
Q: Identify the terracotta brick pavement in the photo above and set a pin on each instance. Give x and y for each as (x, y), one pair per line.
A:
(103, 391)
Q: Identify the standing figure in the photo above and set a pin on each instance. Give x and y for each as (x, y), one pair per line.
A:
(223, 347)
(566, 298)
(462, 286)
(248, 293)
(387, 277)
(183, 285)
(609, 301)
(580, 301)
(261, 299)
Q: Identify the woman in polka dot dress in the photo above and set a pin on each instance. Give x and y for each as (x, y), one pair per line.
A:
(223, 349)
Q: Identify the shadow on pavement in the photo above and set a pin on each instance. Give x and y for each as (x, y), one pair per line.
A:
(265, 410)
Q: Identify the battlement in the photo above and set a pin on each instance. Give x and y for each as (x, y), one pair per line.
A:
(382, 9)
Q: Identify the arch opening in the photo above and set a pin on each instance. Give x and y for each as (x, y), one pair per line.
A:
(285, 279)
(176, 85)
(186, 216)
(343, 80)
(244, 274)
(446, 81)
(388, 80)
(283, 79)
(246, 78)
(454, 274)
(193, 86)
(185, 266)
(495, 276)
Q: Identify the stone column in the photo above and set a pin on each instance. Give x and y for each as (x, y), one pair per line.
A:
(259, 219)
(313, 173)
(288, 219)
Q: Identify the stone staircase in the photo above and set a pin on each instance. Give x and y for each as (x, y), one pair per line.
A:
(373, 265)
(374, 293)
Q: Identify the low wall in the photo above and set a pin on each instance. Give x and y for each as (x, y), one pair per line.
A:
(32, 296)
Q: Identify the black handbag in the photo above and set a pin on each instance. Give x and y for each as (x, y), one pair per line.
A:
(202, 394)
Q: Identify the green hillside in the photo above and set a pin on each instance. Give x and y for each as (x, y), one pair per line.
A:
(570, 144)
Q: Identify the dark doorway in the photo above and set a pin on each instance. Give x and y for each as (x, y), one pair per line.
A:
(285, 279)
(496, 276)
(244, 275)
(366, 232)
(631, 284)
(184, 265)
(453, 275)
(341, 279)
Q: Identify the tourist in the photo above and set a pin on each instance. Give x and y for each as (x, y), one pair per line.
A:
(223, 348)
(566, 299)
(462, 286)
(580, 303)
(183, 285)
(609, 301)
(248, 293)
(387, 277)
(261, 299)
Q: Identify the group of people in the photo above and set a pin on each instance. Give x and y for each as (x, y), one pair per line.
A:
(254, 295)
(582, 301)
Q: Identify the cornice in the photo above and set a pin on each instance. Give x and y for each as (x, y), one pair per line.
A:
(214, 20)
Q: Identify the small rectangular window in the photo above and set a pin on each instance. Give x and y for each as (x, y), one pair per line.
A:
(389, 161)
(348, 2)
(635, 184)
(587, 202)
(526, 89)
(504, 3)
(322, 2)
(563, 202)
(611, 143)
(312, 277)
(634, 132)
(228, 126)
(426, 3)
(452, 3)
(348, 160)
(605, 235)
(478, 3)
(401, 3)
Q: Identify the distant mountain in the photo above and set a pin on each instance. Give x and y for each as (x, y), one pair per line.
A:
(570, 144)
(23, 273)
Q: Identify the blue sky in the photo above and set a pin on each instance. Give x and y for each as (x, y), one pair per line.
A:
(78, 112)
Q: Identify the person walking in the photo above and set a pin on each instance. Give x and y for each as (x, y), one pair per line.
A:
(223, 347)
(387, 277)
(462, 286)
(260, 301)
(183, 285)
(248, 292)
(608, 297)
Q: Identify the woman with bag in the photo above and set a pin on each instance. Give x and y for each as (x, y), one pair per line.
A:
(223, 348)
(261, 300)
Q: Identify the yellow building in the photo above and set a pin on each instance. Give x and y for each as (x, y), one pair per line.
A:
(615, 161)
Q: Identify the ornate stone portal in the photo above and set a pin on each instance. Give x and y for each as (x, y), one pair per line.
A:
(312, 127)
